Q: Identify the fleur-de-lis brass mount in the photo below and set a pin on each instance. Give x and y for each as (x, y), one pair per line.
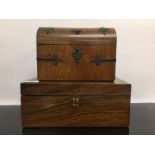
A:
(77, 54)
(55, 59)
(103, 30)
(98, 60)
(77, 31)
(49, 30)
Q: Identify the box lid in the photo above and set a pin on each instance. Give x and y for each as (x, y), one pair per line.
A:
(51, 35)
(47, 88)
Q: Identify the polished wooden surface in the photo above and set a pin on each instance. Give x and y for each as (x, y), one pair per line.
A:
(50, 104)
(142, 118)
(58, 111)
(75, 35)
(63, 42)
(68, 69)
(35, 87)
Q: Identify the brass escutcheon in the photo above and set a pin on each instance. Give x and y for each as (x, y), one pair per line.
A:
(75, 102)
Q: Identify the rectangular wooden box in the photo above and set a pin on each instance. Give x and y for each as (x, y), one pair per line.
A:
(75, 104)
(76, 54)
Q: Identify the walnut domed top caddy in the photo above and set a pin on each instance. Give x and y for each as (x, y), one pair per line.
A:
(76, 54)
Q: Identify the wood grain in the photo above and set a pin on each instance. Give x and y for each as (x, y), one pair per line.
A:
(58, 111)
(101, 104)
(62, 42)
(75, 88)
(69, 70)
(70, 35)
